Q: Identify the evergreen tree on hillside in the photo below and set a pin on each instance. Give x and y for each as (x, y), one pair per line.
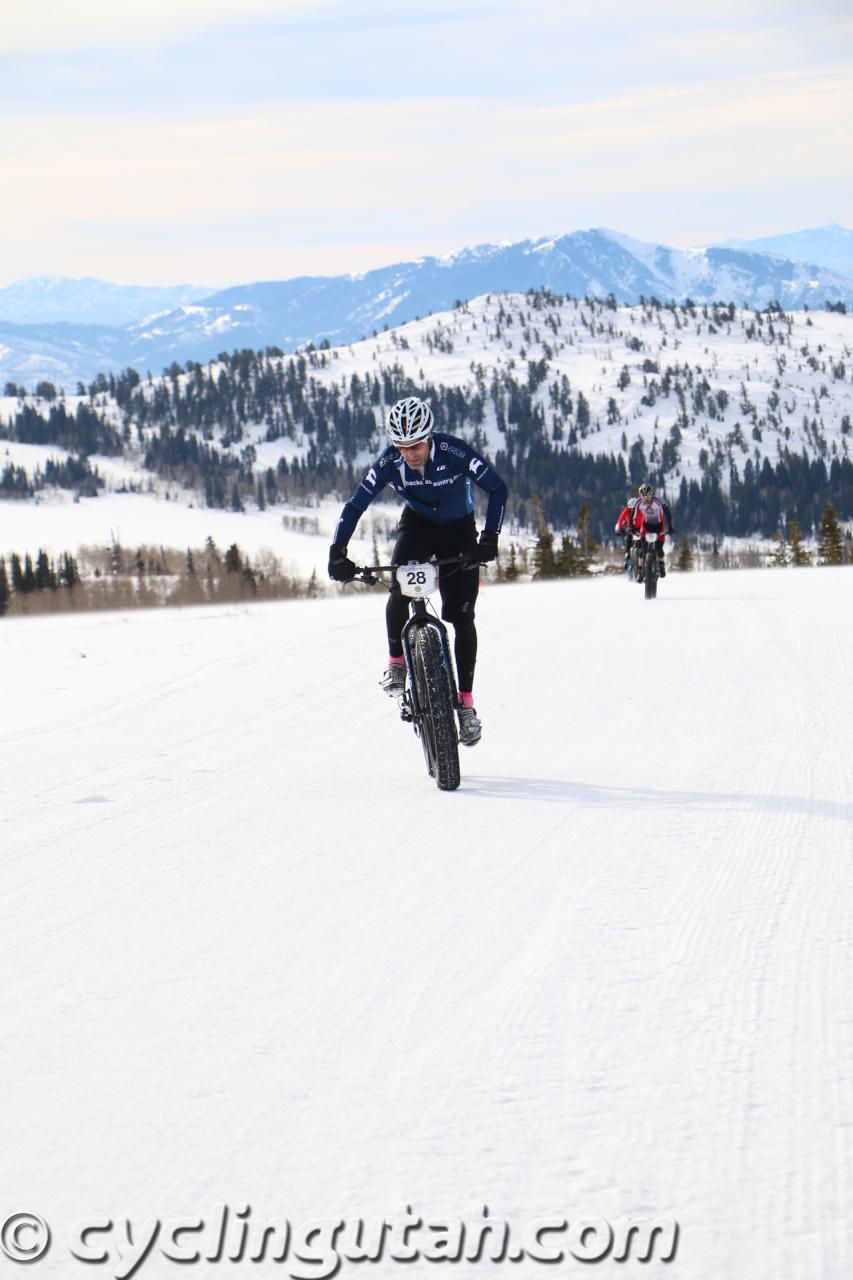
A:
(568, 561)
(510, 572)
(781, 556)
(45, 574)
(68, 575)
(830, 547)
(5, 591)
(582, 416)
(544, 565)
(17, 572)
(586, 544)
(799, 555)
(116, 556)
(684, 557)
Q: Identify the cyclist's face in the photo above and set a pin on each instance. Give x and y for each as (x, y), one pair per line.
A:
(415, 454)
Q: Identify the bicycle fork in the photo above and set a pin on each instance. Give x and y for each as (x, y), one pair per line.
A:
(411, 708)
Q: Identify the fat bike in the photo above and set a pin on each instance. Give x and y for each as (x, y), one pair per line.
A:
(431, 697)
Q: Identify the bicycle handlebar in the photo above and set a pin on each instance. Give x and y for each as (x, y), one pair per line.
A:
(365, 573)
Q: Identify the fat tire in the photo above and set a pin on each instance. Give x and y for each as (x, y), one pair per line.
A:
(650, 575)
(438, 724)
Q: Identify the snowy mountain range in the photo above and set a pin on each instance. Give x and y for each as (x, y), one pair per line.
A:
(830, 246)
(57, 299)
(67, 331)
(708, 398)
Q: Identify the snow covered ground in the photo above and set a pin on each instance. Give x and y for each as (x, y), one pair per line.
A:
(252, 956)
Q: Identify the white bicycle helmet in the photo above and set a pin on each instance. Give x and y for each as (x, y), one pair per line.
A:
(409, 421)
(645, 491)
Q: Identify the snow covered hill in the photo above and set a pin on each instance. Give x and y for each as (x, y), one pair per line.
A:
(691, 394)
(341, 309)
(252, 956)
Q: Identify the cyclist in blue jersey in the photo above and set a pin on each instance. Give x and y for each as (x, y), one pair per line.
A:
(433, 474)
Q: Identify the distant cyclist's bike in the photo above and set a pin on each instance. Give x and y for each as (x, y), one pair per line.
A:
(431, 697)
(644, 560)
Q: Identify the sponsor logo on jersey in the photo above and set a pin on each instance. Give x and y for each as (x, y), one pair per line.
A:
(475, 465)
(448, 448)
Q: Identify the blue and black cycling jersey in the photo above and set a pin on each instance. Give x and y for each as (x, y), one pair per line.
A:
(442, 492)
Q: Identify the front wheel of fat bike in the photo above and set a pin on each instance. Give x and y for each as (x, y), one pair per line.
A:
(438, 725)
(651, 574)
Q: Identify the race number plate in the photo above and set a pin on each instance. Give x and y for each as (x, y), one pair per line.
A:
(417, 579)
(651, 537)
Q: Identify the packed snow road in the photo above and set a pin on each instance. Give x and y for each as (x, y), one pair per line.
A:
(253, 957)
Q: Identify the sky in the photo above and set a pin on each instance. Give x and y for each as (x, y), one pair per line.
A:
(203, 142)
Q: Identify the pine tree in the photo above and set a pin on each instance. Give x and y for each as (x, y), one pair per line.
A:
(569, 560)
(582, 414)
(233, 563)
(684, 557)
(586, 545)
(4, 587)
(781, 557)
(511, 570)
(116, 556)
(830, 547)
(45, 574)
(17, 572)
(69, 575)
(544, 565)
(799, 555)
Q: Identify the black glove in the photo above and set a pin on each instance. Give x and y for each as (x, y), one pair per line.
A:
(341, 568)
(487, 547)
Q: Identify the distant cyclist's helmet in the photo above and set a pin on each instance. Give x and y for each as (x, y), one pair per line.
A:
(645, 491)
(409, 421)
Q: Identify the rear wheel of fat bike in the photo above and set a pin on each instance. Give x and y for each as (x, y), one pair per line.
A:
(438, 725)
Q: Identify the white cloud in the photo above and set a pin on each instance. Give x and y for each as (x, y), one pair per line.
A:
(402, 178)
(70, 24)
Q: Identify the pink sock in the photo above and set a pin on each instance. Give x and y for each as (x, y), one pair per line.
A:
(467, 699)
(395, 662)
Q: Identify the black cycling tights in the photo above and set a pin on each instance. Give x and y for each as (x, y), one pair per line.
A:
(417, 539)
(464, 643)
